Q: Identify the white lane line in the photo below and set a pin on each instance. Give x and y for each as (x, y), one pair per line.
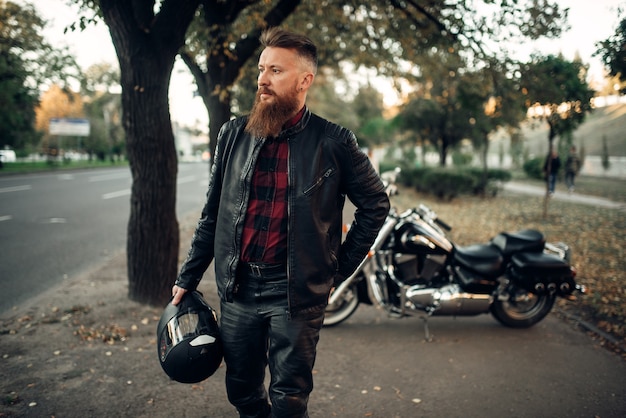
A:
(16, 188)
(119, 193)
(5, 218)
(126, 192)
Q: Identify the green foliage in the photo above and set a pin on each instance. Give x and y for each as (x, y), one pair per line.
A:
(27, 62)
(385, 166)
(222, 42)
(17, 101)
(534, 168)
(446, 183)
(559, 88)
(613, 53)
(461, 159)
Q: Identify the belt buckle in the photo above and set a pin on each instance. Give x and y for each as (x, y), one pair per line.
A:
(256, 270)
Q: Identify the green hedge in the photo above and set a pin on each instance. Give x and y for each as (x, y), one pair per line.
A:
(534, 168)
(448, 183)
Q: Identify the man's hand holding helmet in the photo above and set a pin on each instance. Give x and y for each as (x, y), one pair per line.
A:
(177, 294)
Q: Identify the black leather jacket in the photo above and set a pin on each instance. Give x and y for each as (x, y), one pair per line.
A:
(325, 165)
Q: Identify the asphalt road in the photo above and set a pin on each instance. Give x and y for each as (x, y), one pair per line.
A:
(373, 366)
(55, 225)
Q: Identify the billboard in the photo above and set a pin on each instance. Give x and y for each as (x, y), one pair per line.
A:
(69, 127)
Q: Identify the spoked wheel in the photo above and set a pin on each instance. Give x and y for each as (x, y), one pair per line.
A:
(343, 308)
(523, 309)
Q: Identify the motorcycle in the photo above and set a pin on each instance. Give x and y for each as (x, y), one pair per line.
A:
(414, 268)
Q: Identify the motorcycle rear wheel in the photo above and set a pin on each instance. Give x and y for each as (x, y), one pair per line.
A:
(523, 309)
(343, 308)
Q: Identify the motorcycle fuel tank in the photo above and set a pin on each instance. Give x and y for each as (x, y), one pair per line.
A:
(420, 237)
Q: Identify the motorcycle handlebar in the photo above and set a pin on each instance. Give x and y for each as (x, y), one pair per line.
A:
(443, 224)
(426, 212)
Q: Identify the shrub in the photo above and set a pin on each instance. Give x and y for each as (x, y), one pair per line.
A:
(387, 165)
(413, 177)
(461, 159)
(534, 168)
(488, 183)
(448, 184)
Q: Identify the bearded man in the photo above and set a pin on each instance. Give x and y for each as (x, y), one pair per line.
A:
(272, 223)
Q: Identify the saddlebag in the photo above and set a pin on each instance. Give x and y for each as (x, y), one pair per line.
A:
(542, 273)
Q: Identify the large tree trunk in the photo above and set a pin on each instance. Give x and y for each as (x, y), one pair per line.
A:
(146, 46)
(153, 235)
(219, 109)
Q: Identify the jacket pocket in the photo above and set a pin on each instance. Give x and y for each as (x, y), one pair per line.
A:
(320, 180)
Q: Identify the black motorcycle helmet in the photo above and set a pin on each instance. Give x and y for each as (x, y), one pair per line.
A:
(188, 340)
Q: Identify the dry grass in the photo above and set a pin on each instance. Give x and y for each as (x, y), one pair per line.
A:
(595, 235)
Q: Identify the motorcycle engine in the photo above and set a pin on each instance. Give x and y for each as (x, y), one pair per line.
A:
(414, 269)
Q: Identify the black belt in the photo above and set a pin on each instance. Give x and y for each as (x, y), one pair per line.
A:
(262, 269)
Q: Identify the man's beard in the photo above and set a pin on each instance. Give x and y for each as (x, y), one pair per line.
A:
(267, 119)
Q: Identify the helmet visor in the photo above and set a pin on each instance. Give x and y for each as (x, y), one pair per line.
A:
(182, 326)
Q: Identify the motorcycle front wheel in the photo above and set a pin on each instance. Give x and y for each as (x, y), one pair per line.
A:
(523, 309)
(343, 308)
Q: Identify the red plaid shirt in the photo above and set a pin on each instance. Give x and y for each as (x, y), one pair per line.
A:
(265, 230)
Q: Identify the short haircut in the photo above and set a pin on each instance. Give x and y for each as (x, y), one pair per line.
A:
(276, 37)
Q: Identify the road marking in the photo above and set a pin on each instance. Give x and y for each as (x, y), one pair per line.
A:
(5, 218)
(57, 220)
(15, 188)
(113, 195)
(126, 192)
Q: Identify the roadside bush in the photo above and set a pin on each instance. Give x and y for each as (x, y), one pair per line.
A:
(534, 168)
(386, 165)
(448, 183)
(487, 185)
(462, 159)
(411, 177)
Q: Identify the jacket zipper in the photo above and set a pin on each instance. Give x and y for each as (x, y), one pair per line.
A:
(289, 201)
(319, 181)
(232, 280)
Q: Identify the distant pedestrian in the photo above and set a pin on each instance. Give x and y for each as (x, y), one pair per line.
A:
(572, 167)
(551, 169)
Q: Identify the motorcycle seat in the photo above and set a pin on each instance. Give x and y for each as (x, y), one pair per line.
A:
(528, 240)
(484, 259)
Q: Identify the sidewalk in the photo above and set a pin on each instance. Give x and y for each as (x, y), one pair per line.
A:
(574, 197)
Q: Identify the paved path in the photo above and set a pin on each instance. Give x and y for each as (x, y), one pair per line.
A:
(574, 197)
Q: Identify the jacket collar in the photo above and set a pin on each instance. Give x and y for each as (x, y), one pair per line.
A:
(298, 126)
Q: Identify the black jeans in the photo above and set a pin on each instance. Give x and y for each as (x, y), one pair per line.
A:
(256, 331)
